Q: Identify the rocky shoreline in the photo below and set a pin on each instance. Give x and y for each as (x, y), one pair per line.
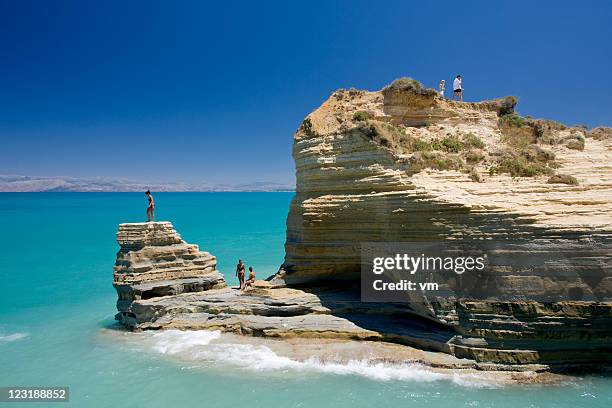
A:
(202, 301)
(375, 359)
(400, 166)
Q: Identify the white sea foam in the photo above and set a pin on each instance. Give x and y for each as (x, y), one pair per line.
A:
(209, 346)
(7, 338)
(176, 341)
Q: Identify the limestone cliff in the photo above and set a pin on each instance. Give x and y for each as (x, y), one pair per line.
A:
(403, 165)
(154, 261)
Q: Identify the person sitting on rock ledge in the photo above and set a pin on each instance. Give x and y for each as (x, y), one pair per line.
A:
(240, 270)
(151, 207)
(251, 279)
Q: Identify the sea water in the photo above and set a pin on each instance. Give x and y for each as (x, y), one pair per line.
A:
(57, 328)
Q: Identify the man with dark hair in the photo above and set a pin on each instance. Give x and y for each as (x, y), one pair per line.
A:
(458, 88)
(151, 207)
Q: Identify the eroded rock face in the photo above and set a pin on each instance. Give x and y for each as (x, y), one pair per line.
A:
(353, 187)
(197, 299)
(154, 261)
(362, 178)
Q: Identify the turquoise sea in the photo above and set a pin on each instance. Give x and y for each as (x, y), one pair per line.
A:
(57, 329)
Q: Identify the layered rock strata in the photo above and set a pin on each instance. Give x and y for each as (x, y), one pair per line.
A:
(166, 283)
(397, 166)
(352, 187)
(201, 301)
(284, 313)
(404, 165)
(154, 261)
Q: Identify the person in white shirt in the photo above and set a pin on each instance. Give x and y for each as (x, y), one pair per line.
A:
(442, 88)
(458, 88)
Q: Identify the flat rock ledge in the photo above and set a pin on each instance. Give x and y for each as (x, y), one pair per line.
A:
(291, 314)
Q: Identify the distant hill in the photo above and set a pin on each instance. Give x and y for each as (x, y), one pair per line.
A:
(17, 183)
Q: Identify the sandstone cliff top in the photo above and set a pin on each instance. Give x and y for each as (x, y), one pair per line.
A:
(479, 154)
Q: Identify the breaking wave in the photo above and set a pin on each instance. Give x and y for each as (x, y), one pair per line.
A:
(209, 346)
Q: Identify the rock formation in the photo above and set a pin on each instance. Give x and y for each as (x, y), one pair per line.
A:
(405, 165)
(154, 261)
(367, 180)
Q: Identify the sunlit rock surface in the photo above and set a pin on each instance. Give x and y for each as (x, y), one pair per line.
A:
(361, 177)
(154, 261)
(375, 167)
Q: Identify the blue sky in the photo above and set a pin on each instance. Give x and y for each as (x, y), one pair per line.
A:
(198, 91)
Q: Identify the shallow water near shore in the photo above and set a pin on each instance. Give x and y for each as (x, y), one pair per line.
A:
(57, 326)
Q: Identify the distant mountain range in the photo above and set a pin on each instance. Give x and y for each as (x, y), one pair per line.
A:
(15, 183)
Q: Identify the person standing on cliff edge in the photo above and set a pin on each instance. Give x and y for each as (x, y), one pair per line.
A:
(240, 270)
(151, 207)
(458, 88)
(442, 89)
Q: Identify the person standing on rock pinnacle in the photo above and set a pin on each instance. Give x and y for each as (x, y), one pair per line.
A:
(458, 88)
(151, 207)
(240, 270)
